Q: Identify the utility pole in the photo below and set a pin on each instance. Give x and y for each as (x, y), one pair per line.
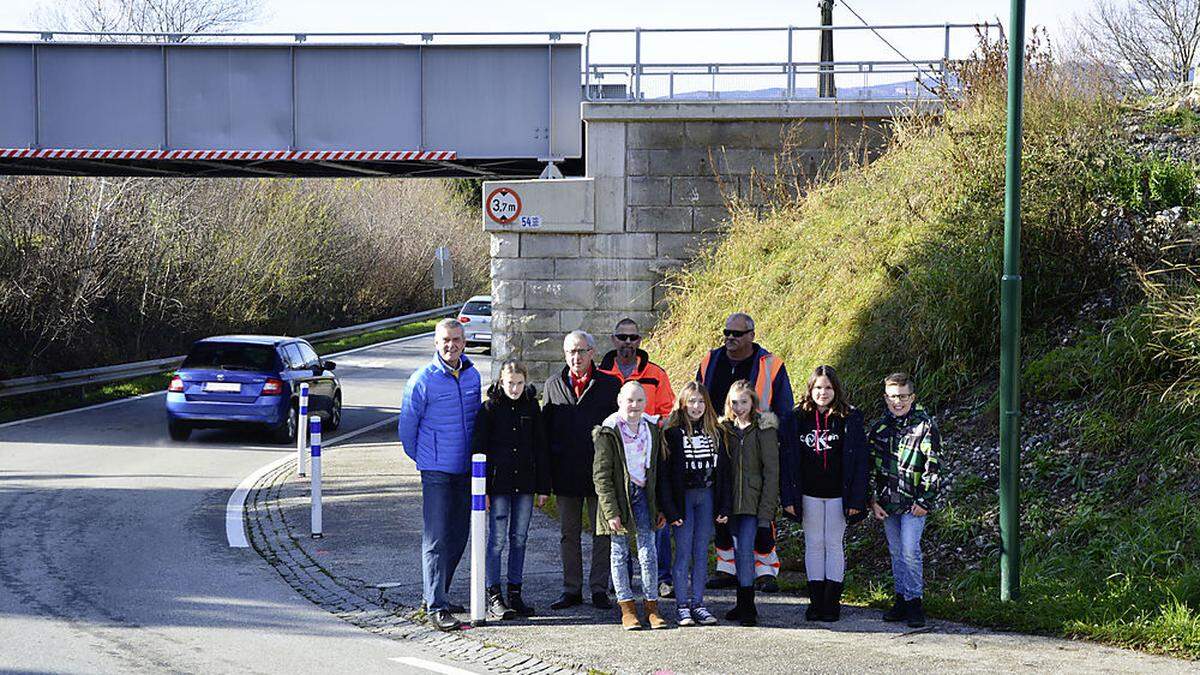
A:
(825, 88)
(1010, 321)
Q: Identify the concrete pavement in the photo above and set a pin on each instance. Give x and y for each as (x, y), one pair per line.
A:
(371, 550)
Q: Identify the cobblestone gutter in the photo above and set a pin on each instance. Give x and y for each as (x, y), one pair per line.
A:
(362, 605)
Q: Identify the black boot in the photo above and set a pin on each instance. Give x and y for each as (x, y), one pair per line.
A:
(916, 613)
(898, 611)
(816, 596)
(831, 609)
(496, 609)
(516, 602)
(749, 614)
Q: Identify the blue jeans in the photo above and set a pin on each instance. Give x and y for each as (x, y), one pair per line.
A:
(647, 551)
(508, 520)
(446, 510)
(743, 529)
(662, 540)
(691, 547)
(904, 543)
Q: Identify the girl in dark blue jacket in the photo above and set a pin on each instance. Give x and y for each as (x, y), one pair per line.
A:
(827, 487)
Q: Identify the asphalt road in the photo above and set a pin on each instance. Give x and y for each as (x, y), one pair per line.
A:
(113, 551)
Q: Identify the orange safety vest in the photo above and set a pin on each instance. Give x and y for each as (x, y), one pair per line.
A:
(769, 366)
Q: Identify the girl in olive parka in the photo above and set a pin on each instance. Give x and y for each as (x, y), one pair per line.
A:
(747, 489)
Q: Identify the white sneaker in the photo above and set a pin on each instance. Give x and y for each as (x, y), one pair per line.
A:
(684, 615)
(665, 590)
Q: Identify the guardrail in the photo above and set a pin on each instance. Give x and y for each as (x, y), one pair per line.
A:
(124, 371)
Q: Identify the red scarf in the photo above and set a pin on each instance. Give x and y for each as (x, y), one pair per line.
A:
(580, 383)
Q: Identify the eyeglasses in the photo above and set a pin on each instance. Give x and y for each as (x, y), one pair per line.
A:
(577, 352)
(899, 398)
(627, 337)
(729, 332)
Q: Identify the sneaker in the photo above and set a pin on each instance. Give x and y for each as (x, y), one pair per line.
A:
(684, 616)
(703, 617)
(444, 621)
(665, 590)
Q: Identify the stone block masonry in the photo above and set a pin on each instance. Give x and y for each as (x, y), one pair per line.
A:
(590, 251)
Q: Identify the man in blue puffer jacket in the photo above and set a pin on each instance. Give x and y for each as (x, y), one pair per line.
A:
(437, 417)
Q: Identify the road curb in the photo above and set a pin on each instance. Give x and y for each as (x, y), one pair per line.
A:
(365, 606)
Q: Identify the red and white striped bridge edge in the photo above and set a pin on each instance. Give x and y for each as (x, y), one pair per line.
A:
(231, 155)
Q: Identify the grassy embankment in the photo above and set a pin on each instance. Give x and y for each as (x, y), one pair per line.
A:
(33, 405)
(895, 266)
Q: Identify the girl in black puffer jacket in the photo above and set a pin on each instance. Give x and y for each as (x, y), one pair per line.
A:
(510, 431)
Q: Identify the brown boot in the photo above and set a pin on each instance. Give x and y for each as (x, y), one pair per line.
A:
(629, 617)
(656, 622)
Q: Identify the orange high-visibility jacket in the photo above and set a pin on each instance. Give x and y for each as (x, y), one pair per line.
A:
(659, 397)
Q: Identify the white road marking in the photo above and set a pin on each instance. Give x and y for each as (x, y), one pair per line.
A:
(431, 666)
(235, 529)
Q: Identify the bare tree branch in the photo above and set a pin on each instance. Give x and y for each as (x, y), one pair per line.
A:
(148, 16)
(1145, 46)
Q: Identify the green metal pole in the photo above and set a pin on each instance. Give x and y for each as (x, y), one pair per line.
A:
(1010, 321)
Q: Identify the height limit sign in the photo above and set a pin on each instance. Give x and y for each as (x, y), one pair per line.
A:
(503, 205)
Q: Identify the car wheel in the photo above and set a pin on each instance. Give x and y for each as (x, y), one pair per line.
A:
(285, 431)
(179, 431)
(335, 413)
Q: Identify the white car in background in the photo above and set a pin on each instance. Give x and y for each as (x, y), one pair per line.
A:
(476, 319)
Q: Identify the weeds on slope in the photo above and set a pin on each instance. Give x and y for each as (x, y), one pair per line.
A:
(895, 265)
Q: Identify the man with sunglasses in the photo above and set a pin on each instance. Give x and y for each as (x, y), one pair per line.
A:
(741, 358)
(629, 363)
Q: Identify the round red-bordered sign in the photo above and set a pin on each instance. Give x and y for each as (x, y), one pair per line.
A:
(503, 205)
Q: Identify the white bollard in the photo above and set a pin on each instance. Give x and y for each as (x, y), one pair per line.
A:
(478, 539)
(301, 437)
(315, 431)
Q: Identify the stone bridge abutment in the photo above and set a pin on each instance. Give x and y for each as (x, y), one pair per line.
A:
(585, 252)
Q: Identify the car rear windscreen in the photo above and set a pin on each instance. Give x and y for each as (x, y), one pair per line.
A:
(477, 308)
(231, 356)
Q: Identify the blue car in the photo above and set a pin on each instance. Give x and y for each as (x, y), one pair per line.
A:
(251, 381)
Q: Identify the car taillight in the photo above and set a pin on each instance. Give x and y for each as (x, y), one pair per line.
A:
(176, 384)
(464, 319)
(272, 387)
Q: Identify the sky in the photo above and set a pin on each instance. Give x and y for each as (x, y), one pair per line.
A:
(477, 15)
(1056, 16)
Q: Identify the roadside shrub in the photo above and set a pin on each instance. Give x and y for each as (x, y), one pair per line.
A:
(96, 271)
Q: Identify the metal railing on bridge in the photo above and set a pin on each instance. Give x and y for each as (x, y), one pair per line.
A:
(641, 75)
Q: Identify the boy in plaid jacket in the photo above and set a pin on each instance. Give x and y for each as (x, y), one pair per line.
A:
(905, 446)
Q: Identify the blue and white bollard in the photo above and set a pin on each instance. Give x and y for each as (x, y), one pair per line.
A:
(315, 431)
(478, 539)
(301, 437)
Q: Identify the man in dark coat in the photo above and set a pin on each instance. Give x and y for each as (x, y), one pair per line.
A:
(577, 399)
